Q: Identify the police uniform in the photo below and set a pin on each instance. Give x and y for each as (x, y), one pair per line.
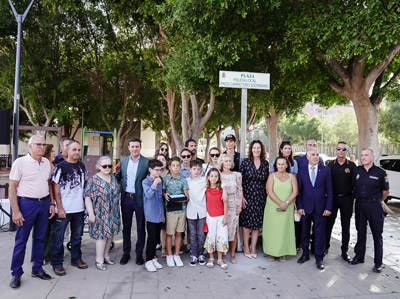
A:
(342, 200)
(369, 186)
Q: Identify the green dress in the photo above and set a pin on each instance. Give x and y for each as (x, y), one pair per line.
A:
(278, 227)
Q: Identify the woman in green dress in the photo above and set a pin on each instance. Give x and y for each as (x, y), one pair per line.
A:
(278, 225)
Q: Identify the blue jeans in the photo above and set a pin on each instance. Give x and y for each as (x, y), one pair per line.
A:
(36, 215)
(57, 237)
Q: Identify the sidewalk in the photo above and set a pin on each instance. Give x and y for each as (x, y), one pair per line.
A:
(249, 278)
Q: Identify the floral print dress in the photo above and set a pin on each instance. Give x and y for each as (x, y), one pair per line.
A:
(106, 202)
(254, 191)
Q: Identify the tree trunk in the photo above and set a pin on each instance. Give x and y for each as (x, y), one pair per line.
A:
(367, 120)
(208, 138)
(118, 148)
(272, 121)
(218, 132)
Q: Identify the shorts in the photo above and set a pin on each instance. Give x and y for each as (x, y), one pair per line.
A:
(175, 223)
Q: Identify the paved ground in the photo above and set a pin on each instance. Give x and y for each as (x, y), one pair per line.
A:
(256, 278)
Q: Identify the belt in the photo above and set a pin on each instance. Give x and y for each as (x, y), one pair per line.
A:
(34, 199)
(343, 195)
(133, 195)
(363, 199)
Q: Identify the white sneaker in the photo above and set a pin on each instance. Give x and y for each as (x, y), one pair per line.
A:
(202, 260)
(178, 261)
(150, 267)
(170, 261)
(156, 263)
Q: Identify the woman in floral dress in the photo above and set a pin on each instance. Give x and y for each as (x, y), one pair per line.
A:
(102, 199)
(233, 183)
(255, 170)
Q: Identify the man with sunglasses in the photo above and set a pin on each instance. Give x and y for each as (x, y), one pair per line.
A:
(69, 178)
(186, 157)
(230, 142)
(191, 145)
(342, 173)
(132, 171)
(31, 202)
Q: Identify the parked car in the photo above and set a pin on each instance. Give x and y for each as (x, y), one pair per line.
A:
(391, 164)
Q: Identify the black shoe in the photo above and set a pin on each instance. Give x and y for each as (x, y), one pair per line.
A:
(320, 265)
(355, 261)
(41, 274)
(125, 258)
(139, 260)
(303, 259)
(377, 268)
(345, 257)
(326, 252)
(15, 282)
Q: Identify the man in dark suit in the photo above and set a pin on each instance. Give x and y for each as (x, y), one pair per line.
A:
(132, 171)
(314, 203)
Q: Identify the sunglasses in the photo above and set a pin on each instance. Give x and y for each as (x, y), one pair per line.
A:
(106, 166)
(214, 155)
(341, 148)
(186, 156)
(163, 149)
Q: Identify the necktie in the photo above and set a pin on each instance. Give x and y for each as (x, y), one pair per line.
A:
(313, 176)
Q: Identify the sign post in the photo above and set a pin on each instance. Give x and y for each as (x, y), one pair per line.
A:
(243, 80)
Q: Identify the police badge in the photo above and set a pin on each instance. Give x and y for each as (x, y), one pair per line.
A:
(347, 170)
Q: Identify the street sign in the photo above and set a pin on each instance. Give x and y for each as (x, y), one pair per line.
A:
(244, 80)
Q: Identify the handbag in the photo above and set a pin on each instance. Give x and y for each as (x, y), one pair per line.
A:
(297, 216)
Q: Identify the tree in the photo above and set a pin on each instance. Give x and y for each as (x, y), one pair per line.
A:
(340, 127)
(354, 48)
(389, 121)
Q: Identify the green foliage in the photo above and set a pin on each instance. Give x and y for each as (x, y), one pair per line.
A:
(340, 127)
(389, 121)
(299, 129)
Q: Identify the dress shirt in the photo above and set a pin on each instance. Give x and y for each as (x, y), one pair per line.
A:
(315, 169)
(131, 175)
(185, 173)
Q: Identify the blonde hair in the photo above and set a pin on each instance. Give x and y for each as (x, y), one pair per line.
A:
(221, 160)
(208, 184)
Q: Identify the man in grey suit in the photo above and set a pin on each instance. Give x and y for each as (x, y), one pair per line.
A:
(132, 171)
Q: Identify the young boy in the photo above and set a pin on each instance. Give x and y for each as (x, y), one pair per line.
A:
(196, 213)
(153, 212)
(175, 184)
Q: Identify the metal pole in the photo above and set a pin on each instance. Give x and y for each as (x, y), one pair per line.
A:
(243, 135)
(20, 19)
(82, 147)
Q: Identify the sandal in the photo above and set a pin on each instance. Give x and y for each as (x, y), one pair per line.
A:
(223, 265)
(210, 263)
(271, 258)
(233, 260)
(109, 261)
(282, 259)
(163, 254)
(101, 266)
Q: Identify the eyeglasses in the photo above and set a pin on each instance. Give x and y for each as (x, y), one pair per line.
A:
(40, 144)
(106, 166)
(186, 156)
(158, 170)
(214, 155)
(341, 148)
(163, 149)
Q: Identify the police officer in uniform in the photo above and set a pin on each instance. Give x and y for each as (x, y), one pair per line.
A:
(371, 188)
(342, 174)
(230, 141)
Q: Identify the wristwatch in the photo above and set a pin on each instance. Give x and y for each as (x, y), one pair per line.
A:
(287, 202)
(53, 204)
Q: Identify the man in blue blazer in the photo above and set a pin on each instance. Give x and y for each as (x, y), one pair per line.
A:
(132, 171)
(314, 203)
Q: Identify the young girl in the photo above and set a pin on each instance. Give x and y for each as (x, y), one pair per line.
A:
(217, 219)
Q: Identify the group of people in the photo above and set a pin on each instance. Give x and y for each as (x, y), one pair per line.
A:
(209, 202)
